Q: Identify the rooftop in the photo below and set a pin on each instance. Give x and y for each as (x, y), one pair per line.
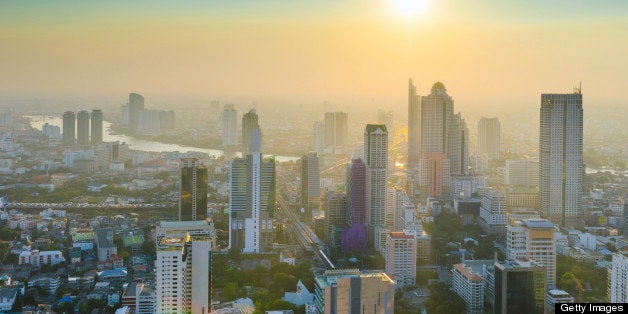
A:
(538, 223)
(438, 85)
(467, 272)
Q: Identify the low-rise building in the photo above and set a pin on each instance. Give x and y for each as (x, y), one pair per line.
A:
(37, 258)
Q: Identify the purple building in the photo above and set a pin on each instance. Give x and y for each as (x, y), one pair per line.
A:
(354, 237)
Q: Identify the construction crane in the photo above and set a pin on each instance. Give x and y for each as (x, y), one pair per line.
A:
(578, 283)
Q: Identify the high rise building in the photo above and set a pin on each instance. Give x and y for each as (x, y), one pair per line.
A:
(519, 287)
(355, 237)
(489, 132)
(468, 280)
(401, 254)
(434, 174)
(437, 110)
(533, 239)
(493, 217)
(376, 161)
(310, 183)
(134, 106)
(522, 173)
(69, 128)
(414, 126)
(318, 137)
(229, 126)
(625, 215)
(251, 133)
(349, 291)
(97, 128)
(251, 203)
(336, 131)
(618, 278)
(458, 151)
(335, 217)
(183, 275)
(192, 190)
(561, 165)
(82, 127)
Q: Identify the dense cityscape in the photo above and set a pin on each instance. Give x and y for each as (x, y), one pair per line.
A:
(136, 204)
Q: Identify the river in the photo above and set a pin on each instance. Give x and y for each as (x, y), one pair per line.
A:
(139, 144)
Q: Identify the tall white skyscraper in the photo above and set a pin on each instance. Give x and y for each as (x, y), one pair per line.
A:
(489, 132)
(414, 126)
(183, 274)
(618, 278)
(229, 126)
(376, 160)
(561, 165)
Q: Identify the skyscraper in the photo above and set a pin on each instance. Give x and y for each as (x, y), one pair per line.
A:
(489, 132)
(519, 288)
(414, 126)
(310, 183)
(401, 253)
(355, 237)
(458, 150)
(229, 126)
(97, 118)
(82, 128)
(561, 165)
(376, 161)
(183, 274)
(336, 130)
(69, 128)
(335, 217)
(134, 106)
(192, 190)
(618, 277)
(318, 137)
(251, 202)
(251, 133)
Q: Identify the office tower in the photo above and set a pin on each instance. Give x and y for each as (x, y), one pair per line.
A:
(414, 126)
(519, 288)
(533, 239)
(192, 190)
(51, 131)
(318, 137)
(82, 128)
(183, 275)
(560, 157)
(335, 217)
(69, 128)
(355, 237)
(458, 151)
(349, 291)
(336, 131)
(493, 217)
(522, 173)
(376, 161)
(251, 203)
(435, 175)
(229, 126)
(618, 278)
(251, 133)
(401, 256)
(489, 132)
(310, 183)
(97, 130)
(134, 106)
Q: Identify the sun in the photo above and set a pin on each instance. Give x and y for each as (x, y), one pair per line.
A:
(409, 8)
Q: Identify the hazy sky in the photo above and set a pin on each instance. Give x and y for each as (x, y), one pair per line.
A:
(488, 53)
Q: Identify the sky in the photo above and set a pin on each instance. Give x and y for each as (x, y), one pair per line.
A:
(488, 53)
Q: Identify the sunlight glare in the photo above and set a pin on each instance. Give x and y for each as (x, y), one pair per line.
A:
(409, 8)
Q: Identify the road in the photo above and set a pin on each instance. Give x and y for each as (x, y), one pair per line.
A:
(70, 205)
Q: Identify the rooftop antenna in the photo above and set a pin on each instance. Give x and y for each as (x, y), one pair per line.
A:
(578, 89)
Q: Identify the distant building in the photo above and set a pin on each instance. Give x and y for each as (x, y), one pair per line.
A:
(414, 126)
(489, 133)
(349, 291)
(376, 161)
(134, 106)
(51, 131)
(104, 244)
(97, 127)
(310, 183)
(251, 133)
(318, 137)
(493, 217)
(519, 288)
(229, 126)
(193, 190)
(82, 128)
(521, 173)
(561, 167)
(336, 131)
(69, 128)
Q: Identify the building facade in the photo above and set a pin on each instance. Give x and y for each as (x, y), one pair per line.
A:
(489, 137)
(192, 190)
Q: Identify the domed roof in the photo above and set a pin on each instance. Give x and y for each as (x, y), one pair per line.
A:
(438, 85)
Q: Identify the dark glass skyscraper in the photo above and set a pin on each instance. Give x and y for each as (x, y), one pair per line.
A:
(251, 133)
(519, 288)
(82, 127)
(193, 190)
(310, 183)
(69, 128)
(97, 126)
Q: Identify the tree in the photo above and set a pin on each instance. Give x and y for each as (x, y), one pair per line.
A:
(444, 301)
